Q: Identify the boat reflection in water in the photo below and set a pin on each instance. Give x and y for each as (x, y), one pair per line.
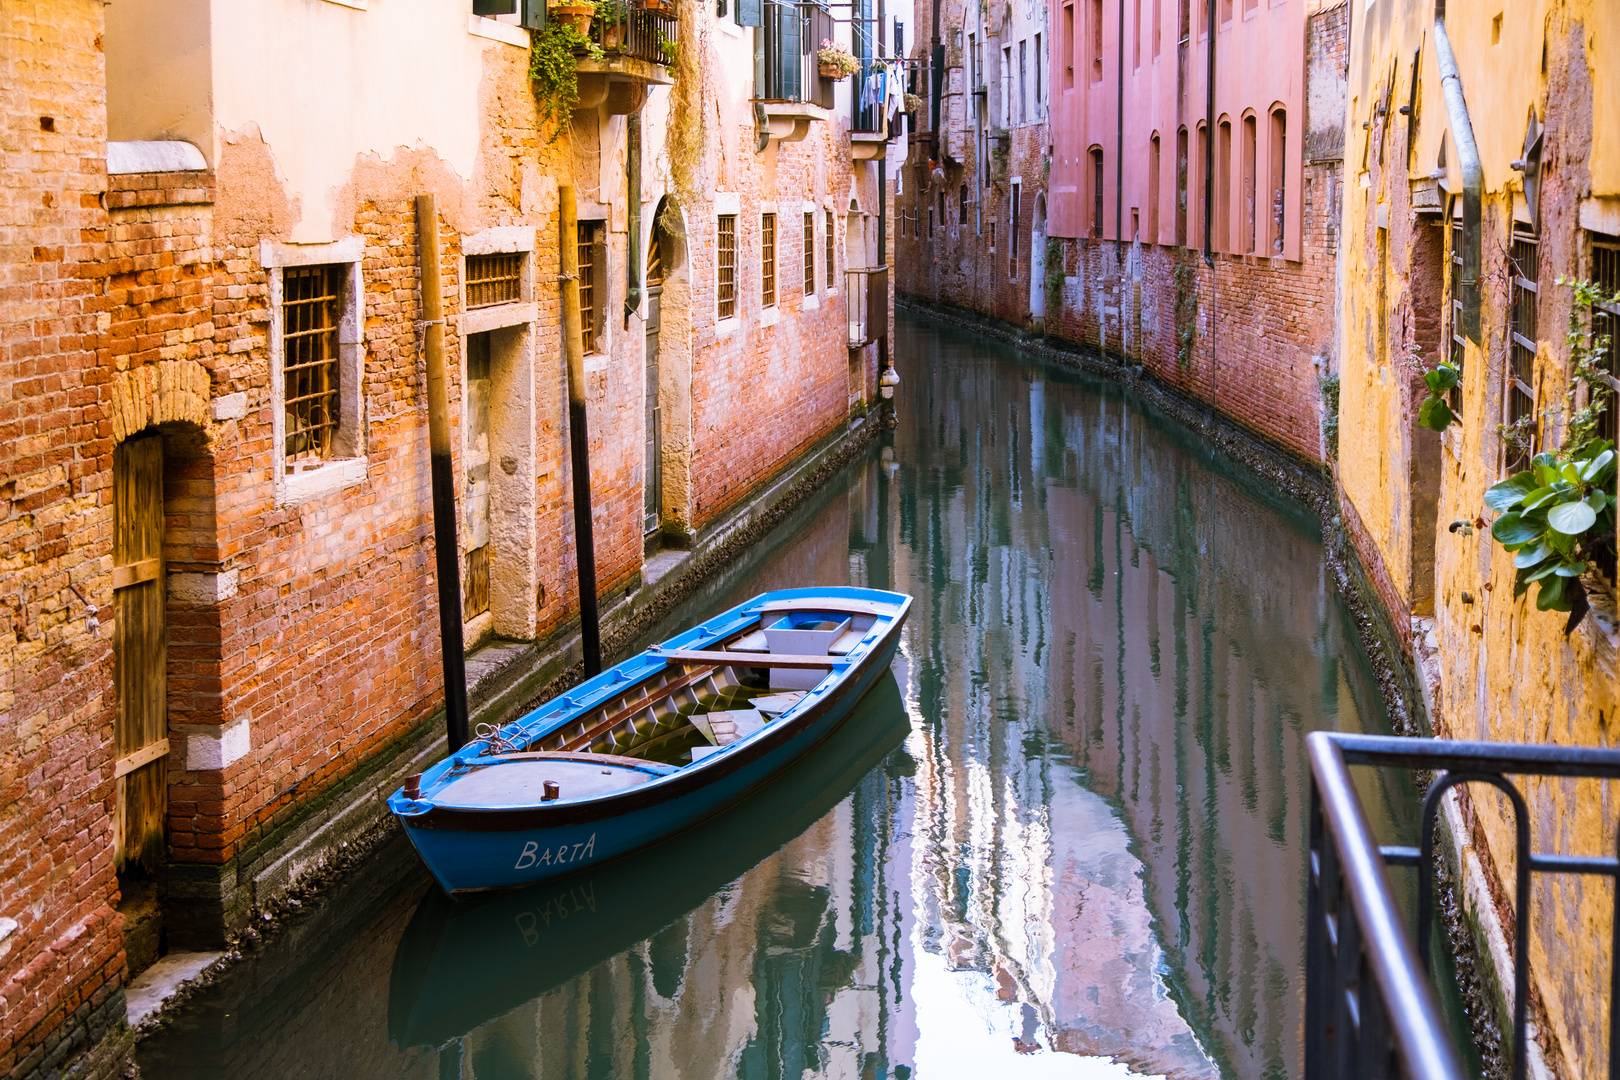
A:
(465, 968)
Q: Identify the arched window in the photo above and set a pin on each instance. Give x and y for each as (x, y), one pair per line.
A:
(1096, 191)
(1279, 178)
(1250, 210)
(1181, 187)
(1153, 190)
(961, 205)
(1223, 187)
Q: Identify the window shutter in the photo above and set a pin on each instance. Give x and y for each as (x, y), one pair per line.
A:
(494, 7)
(750, 13)
(534, 14)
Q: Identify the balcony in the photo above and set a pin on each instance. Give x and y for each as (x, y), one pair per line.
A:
(868, 122)
(1370, 1007)
(866, 297)
(793, 94)
(639, 44)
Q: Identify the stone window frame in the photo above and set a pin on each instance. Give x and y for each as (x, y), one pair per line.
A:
(502, 240)
(728, 204)
(347, 466)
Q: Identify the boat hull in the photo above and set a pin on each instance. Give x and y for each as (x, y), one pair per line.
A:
(477, 851)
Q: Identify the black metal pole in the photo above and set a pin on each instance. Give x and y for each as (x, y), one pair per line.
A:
(446, 556)
(579, 443)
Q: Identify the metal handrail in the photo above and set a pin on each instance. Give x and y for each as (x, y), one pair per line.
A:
(1370, 1006)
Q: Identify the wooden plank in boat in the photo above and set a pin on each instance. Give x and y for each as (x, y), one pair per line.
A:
(743, 659)
(777, 704)
(847, 642)
(831, 604)
(618, 760)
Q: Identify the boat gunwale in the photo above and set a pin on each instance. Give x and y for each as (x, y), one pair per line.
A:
(678, 783)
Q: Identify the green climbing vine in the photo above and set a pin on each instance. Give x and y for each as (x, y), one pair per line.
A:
(554, 73)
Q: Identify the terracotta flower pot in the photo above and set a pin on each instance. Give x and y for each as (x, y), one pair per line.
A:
(833, 71)
(577, 14)
(663, 7)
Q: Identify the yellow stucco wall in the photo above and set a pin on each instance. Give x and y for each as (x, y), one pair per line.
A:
(1507, 671)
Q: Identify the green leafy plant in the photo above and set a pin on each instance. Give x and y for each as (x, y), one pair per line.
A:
(1054, 275)
(1558, 516)
(1435, 412)
(613, 10)
(834, 57)
(669, 50)
(554, 73)
(914, 103)
(1554, 517)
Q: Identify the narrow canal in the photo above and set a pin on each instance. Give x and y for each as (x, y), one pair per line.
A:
(1066, 840)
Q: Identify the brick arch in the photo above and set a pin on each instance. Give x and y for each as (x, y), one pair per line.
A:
(168, 391)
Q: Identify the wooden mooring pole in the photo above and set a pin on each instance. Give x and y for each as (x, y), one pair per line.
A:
(446, 556)
(579, 443)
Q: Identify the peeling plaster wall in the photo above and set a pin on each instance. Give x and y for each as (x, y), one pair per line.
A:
(1503, 670)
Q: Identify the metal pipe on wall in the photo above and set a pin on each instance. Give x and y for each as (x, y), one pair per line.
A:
(632, 263)
(1473, 175)
(579, 443)
(446, 556)
(1209, 140)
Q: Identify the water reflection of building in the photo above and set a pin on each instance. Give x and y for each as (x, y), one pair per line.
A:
(1105, 596)
(781, 974)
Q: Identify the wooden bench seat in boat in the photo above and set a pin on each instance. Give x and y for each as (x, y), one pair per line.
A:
(520, 779)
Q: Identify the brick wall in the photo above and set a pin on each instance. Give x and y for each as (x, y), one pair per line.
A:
(1250, 335)
(61, 963)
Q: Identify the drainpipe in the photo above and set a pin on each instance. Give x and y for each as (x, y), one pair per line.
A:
(1473, 176)
(446, 557)
(579, 444)
(1209, 141)
(632, 168)
(1119, 145)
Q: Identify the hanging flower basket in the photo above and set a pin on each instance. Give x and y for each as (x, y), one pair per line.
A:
(577, 15)
(835, 61)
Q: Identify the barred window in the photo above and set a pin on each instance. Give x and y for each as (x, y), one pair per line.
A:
(1455, 308)
(494, 279)
(829, 242)
(1606, 325)
(767, 259)
(1520, 406)
(311, 307)
(726, 265)
(809, 254)
(589, 316)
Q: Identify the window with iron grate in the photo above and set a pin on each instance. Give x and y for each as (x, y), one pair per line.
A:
(726, 266)
(494, 279)
(767, 259)
(1605, 332)
(809, 254)
(1520, 373)
(311, 306)
(1455, 311)
(590, 316)
(828, 240)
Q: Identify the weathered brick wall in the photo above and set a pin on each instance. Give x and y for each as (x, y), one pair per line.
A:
(1250, 335)
(764, 393)
(61, 950)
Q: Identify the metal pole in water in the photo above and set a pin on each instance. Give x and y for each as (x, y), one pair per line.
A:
(578, 434)
(446, 557)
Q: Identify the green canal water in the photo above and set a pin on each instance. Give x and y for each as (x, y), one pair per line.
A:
(1066, 839)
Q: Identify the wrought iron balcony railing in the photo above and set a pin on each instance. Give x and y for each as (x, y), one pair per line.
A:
(792, 34)
(644, 33)
(1370, 1007)
(866, 298)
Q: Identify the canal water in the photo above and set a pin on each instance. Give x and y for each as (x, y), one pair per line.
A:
(1066, 839)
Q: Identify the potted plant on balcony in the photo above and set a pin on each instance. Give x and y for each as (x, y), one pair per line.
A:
(663, 7)
(669, 51)
(577, 16)
(836, 62)
(612, 19)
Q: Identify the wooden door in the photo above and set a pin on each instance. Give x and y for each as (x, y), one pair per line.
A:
(477, 456)
(653, 472)
(140, 653)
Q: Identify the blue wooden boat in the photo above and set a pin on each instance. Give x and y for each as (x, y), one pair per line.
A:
(654, 745)
(462, 963)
